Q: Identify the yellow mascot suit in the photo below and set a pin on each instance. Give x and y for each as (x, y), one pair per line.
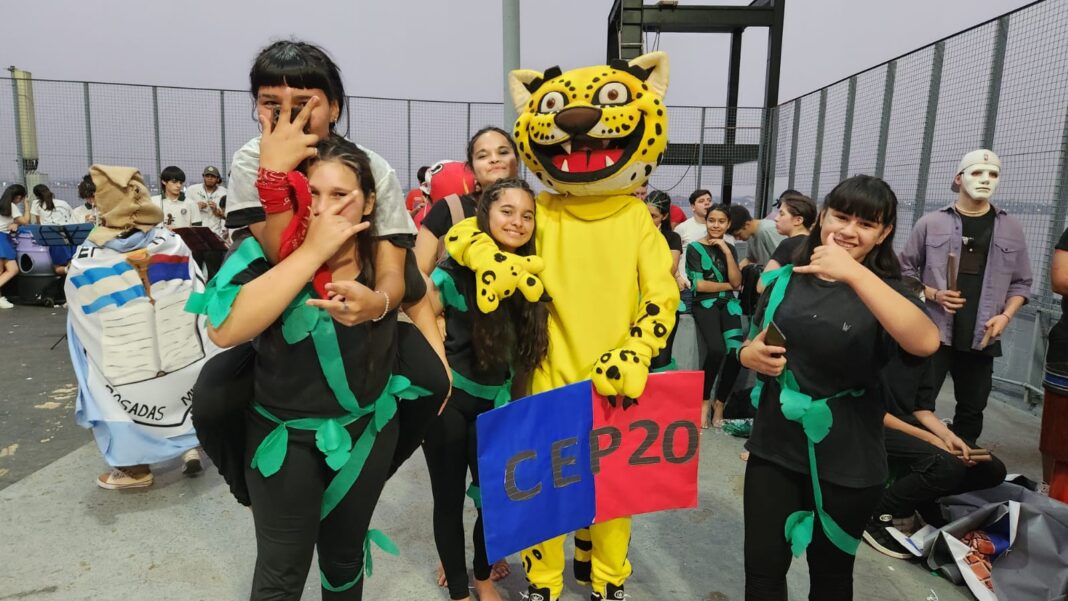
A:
(593, 135)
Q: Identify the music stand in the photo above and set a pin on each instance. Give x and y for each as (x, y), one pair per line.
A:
(207, 248)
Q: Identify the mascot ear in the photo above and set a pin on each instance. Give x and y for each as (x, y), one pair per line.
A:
(520, 82)
(656, 64)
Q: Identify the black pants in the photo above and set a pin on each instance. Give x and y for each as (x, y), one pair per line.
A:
(926, 473)
(972, 380)
(451, 450)
(772, 493)
(224, 391)
(664, 358)
(286, 509)
(711, 324)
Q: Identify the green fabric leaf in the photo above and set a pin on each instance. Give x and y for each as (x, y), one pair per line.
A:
(794, 403)
(450, 295)
(734, 307)
(474, 492)
(335, 442)
(799, 529)
(219, 294)
(271, 453)
(817, 421)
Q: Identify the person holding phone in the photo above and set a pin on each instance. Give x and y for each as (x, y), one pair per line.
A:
(712, 267)
(818, 465)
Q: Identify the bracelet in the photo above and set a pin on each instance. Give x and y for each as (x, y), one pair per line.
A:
(1007, 316)
(386, 310)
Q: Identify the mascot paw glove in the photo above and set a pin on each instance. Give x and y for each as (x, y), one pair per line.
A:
(498, 274)
(622, 372)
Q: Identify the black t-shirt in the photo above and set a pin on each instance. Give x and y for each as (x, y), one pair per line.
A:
(977, 233)
(674, 241)
(459, 323)
(906, 386)
(439, 219)
(693, 265)
(785, 251)
(1057, 352)
(833, 344)
(289, 381)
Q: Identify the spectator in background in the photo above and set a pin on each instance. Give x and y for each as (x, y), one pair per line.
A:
(993, 282)
(177, 210)
(760, 235)
(795, 219)
(774, 212)
(694, 228)
(417, 196)
(85, 212)
(47, 209)
(658, 203)
(1053, 442)
(677, 216)
(641, 192)
(10, 219)
(206, 195)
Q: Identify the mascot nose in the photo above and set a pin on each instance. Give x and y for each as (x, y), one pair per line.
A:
(578, 120)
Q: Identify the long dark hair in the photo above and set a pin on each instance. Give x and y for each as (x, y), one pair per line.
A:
(337, 149)
(45, 197)
(517, 333)
(479, 134)
(301, 65)
(868, 198)
(662, 202)
(8, 198)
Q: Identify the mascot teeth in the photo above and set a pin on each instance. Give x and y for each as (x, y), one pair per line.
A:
(564, 167)
(567, 147)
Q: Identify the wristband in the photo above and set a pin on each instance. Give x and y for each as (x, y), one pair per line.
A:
(384, 311)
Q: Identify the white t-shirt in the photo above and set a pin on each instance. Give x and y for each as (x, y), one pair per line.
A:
(81, 214)
(59, 215)
(6, 221)
(390, 215)
(197, 194)
(690, 230)
(178, 213)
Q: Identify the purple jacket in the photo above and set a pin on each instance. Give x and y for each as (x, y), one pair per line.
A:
(1008, 268)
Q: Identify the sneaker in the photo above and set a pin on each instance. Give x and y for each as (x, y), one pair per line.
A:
(878, 536)
(121, 479)
(536, 594)
(1043, 489)
(191, 464)
(5, 304)
(613, 592)
(907, 525)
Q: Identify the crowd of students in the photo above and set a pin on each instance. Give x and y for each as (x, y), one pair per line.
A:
(328, 275)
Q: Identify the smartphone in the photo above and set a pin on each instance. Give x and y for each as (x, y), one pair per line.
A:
(276, 111)
(774, 337)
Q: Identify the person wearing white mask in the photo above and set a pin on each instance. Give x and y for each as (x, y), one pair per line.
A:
(984, 250)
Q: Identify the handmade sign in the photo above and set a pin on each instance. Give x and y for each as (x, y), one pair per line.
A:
(561, 460)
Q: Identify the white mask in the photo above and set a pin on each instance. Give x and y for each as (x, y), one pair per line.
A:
(980, 181)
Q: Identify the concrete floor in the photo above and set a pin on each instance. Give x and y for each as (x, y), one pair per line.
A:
(62, 538)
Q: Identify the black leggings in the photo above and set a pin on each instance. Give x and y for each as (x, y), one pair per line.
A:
(772, 493)
(451, 449)
(224, 391)
(711, 324)
(286, 508)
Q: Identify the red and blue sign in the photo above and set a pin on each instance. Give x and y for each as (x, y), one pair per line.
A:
(561, 460)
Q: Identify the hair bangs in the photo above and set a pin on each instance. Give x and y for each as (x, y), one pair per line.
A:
(865, 197)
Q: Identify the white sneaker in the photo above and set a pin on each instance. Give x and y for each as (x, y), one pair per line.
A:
(5, 304)
(191, 464)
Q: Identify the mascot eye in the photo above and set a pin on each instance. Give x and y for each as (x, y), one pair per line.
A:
(613, 93)
(553, 102)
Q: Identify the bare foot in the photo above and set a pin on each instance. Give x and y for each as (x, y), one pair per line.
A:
(500, 570)
(705, 405)
(442, 581)
(717, 413)
(486, 591)
(744, 455)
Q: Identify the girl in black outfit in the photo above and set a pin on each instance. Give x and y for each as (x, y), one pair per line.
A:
(712, 266)
(484, 350)
(797, 214)
(817, 462)
(491, 155)
(321, 430)
(659, 204)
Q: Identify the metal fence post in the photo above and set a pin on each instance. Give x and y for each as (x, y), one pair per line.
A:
(408, 176)
(934, 88)
(155, 126)
(793, 143)
(1059, 210)
(884, 125)
(18, 137)
(771, 117)
(818, 164)
(701, 148)
(222, 130)
(847, 131)
(88, 123)
(993, 94)
(469, 132)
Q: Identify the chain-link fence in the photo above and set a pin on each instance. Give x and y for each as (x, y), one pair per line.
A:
(1001, 85)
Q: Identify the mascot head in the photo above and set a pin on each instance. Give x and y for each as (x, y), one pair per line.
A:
(593, 130)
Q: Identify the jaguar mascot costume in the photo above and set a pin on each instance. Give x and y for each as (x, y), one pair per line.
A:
(593, 135)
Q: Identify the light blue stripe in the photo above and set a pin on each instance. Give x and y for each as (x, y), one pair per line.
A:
(118, 299)
(94, 275)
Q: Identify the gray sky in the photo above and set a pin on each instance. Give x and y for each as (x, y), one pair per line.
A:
(450, 50)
